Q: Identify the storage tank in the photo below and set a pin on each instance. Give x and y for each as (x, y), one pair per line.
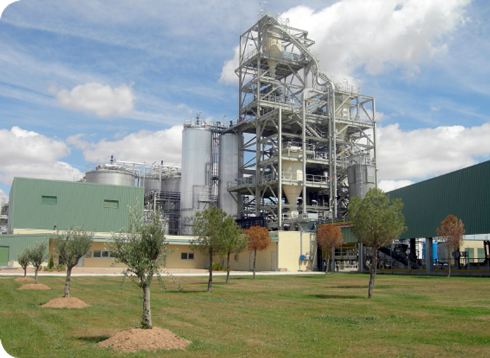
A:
(361, 178)
(111, 174)
(171, 184)
(151, 184)
(196, 167)
(272, 47)
(228, 171)
(292, 171)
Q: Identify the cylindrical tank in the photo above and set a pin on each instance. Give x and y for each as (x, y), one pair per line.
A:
(292, 171)
(151, 184)
(171, 184)
(196, 163)
(272, 47)
(110, 175)
(228, 171)
(361, 178)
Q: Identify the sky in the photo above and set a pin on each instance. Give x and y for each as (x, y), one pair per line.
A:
(83, 80)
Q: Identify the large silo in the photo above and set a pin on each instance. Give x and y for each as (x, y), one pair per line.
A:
(196, 172)
(228, 171)
(111, 174)
(171, 184)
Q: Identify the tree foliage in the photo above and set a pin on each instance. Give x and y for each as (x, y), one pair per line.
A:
(70, 245)
(329, 237)
(235, 242)
(142, 247)
(37, 254)
(258, 240)
(451, 231)
(377, 222)
(24, 260)
(213, 230)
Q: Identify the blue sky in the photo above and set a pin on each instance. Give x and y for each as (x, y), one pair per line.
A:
(80, 81)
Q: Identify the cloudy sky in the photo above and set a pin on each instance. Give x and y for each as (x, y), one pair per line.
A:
(81, 80)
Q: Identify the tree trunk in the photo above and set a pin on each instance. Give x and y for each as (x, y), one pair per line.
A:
(372, 273)
(449, 268)
(35, 275)
(25, 271)
(210, 281)
(227, 267)
(255, 257)
(326, 267)
(146, 317)
(67, 282)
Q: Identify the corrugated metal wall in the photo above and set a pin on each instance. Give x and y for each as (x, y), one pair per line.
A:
(77, 203)
(464, 193)
(17, 243)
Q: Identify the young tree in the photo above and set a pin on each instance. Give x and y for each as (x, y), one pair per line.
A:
(328, 238)
(142, 247)
(24, 260)
(376, 223)
(70, 246)
(236, 242)
(211, 229)
(37, 255)
(258, 239)
(452, 232)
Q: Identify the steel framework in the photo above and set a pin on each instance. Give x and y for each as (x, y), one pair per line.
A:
(292, 115)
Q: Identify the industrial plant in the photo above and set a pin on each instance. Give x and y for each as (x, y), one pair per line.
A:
(303, 144)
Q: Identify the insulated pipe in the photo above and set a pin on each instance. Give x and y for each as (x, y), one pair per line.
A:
(305, 98)
(279, 208)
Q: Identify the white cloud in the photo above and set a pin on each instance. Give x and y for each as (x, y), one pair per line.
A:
(3, 196)
(32, 155)
(428, 152)
(143, 146)
(228, 75)
(374, 35)
(389, 185)
(95, 97)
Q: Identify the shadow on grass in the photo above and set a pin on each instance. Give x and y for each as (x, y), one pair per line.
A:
(342, 297)
(353, 286)
(93, 339)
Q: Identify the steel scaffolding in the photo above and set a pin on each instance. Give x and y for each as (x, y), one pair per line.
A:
(301, 130)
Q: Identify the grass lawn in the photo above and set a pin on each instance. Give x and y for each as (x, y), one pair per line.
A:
(271, 316)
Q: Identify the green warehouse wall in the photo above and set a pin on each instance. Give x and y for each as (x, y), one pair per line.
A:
(464, 193)
(17, 243)
(42, 204)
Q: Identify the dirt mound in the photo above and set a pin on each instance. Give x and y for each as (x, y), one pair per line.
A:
(136, 339)
(24, 279)
(65, 302)
(34, 286)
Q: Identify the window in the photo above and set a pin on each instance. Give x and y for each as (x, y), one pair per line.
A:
(236, 257)
(50, 200)
(111, 204)
(187, 256)
(103, 254)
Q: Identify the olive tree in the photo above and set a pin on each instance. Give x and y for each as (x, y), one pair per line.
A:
(70, 245)
(451, 231)
(142, 247)
(377, 222)
(258, 239)
(329, 237)
(24, 260)
(235, 242)
(212, 228)
(37, 255)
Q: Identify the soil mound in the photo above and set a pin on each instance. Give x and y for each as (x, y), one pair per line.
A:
(34, 286)
(136, 339)
(65, 302)
(24, 279)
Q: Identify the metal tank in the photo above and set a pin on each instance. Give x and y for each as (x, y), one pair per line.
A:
(171, 184)
(111, 174)
(151, 184)
(196, 169)
(292, 172)
(228, 171)
(361, 178)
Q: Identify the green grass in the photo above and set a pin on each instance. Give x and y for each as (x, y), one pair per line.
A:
(272, 316)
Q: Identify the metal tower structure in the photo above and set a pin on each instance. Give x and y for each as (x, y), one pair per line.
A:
(301, 130)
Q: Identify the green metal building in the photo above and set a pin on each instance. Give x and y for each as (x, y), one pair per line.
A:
(464, 193)
(40, 204)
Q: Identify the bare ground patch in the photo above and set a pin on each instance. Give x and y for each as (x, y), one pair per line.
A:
(34, 286)
(136, 339)
(65, 302)
(24, 279)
